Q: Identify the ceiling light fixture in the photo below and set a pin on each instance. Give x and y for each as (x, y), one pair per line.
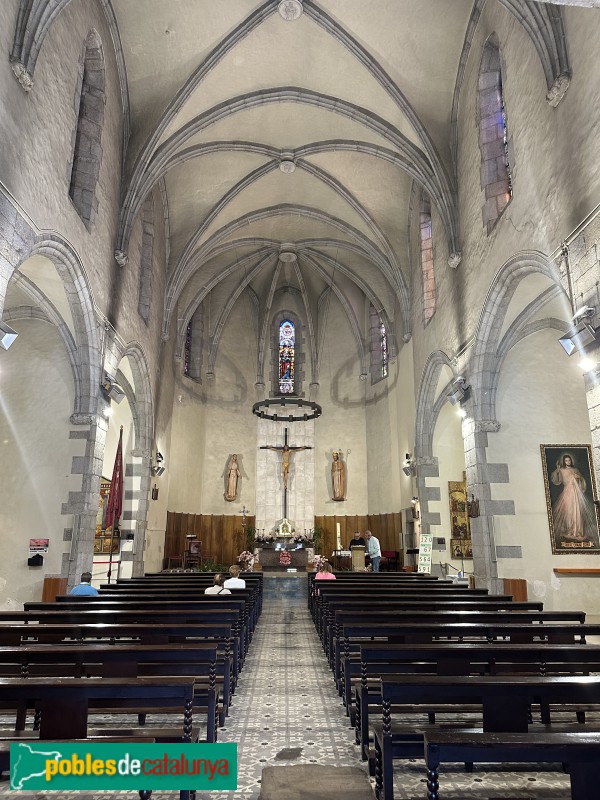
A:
(287, 409)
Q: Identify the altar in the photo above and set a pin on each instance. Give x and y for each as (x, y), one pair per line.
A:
(270, 555)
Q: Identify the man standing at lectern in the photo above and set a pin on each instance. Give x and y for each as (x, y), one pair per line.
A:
(357, 541)
(374, 550)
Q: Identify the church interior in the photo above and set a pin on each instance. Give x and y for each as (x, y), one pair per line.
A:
(306, 267)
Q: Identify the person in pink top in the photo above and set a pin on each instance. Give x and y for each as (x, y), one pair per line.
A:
(325, 573)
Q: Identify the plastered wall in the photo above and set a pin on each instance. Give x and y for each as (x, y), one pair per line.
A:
(36, 396)
(541, 401)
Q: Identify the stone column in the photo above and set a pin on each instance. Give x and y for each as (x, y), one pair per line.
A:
(480, 476)
(83, 504)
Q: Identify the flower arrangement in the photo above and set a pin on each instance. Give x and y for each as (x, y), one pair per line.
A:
(264, 537)
(319, 562)
(304, 538)
(246, 560)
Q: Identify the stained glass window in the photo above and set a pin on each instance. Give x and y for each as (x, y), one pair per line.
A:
(505, 141)
(384, 350)
(287, 354)
(187, 349)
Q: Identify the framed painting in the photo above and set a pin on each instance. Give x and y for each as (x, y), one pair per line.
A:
(461, 549)
(570, 498)
(101, 515)
(106, 544)
(460, 529)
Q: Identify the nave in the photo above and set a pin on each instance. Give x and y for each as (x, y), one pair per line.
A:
(286, 711)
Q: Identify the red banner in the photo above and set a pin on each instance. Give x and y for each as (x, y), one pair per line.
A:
(115, 493)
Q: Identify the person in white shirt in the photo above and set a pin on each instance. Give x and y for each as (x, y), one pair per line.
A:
(218, 587)
(235, 582)
(373, 549)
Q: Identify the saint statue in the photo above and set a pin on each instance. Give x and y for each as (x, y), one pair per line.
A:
(233, 473)
(338, 477)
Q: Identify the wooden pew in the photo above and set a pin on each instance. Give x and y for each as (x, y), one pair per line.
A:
(201, 661)
(440, 658)
(505, 702)
(331, 605)
(208, 614)
(319, 590)
(579, 751)
(354, 634)
(64, 702)
(146, 633)
(442, 614)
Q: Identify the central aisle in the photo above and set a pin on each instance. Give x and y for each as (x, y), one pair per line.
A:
(285, 710)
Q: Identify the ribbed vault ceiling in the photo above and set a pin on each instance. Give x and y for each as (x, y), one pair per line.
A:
(357, 95)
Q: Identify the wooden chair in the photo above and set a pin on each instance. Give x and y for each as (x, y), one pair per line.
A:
(193, 554)
(389, 560)
(174, 562)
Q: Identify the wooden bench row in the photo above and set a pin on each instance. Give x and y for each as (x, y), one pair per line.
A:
(393, 660)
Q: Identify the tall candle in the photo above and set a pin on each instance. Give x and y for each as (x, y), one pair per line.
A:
(338, 529)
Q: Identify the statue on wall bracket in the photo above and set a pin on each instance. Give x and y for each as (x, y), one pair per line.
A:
(233, 473)
(338, 476)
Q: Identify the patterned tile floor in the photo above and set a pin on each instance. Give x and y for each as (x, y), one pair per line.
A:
(286, 711)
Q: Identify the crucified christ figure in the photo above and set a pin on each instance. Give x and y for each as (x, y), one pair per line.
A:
(286, 453)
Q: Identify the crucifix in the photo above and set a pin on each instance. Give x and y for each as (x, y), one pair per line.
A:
(286, 453)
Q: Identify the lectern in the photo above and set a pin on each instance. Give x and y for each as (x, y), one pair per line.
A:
(358, 558)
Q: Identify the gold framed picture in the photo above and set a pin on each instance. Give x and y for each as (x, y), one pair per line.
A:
(570, 483)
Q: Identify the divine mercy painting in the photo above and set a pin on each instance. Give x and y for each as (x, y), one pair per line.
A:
(570, 494)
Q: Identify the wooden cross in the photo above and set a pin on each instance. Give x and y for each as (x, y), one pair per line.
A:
(286, 453)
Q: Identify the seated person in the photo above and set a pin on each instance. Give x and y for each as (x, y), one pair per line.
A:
(85, 587)
(357, 541)
(325, 573)
(218, 587)
(235, 582)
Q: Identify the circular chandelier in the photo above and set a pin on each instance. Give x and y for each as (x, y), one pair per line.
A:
(287, 409)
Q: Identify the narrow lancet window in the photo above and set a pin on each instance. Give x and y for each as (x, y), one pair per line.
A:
(496, 169)
(287, 354)
(426, 235)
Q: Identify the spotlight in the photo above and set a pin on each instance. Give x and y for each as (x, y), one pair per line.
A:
(582, 333)
(459, 390)
(577, 339)
(158, 467)
(7, 335)
(462, 412)
(408, 465)
(112, 389)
